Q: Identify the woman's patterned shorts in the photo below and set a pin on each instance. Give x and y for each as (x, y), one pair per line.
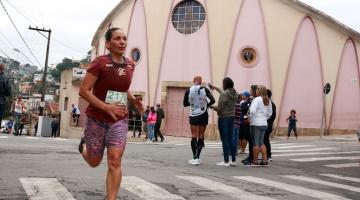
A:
(99, 135)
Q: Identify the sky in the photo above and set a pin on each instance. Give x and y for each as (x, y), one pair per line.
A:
(74, 22)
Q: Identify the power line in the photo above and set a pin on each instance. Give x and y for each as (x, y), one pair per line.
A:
(21, 13)
(17, 50)
(17, 30)
(4, 54)
(54, 38)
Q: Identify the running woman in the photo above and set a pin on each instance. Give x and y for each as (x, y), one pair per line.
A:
(197, 98)
(108, 76)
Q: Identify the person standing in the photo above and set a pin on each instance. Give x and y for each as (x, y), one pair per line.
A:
(107, 125)
(246, 128)
(226, 114)
(160, 116)
(151, 121)
(244, 123)
(18, 107)
(260, 111)
(54, 127)
(144, 120)
(292, 123)
(5, 90)
(269, 129)
(76, 114)
(237, 123)
(197, 98)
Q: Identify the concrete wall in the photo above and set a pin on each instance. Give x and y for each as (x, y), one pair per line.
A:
(69, 90)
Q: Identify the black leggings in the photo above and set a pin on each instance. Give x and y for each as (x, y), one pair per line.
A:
(290, 128)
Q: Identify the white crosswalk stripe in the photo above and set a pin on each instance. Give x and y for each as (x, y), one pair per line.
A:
(45, 188)
(346, 165)
(346, 178)
(4, 137)
(292, 188)
(293, 147)
(321, 182)
(302, 150)
(326, 158)
(315, 153)
(222, 188)
(282, 144)
(147, 190)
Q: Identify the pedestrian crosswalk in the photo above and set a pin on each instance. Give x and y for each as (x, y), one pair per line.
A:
(239, 188)
(301, 152)
(292, 188)
(146, 190)
(221, 188)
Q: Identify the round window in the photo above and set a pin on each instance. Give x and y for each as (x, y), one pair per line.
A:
(188, 16)
(249, 56)
(136, 55)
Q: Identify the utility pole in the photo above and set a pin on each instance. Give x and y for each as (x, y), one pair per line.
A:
(43, 85)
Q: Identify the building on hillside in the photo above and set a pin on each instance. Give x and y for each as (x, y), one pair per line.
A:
(69, 94)
(286, 45)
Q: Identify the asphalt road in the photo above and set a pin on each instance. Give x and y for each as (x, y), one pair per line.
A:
(302, 169)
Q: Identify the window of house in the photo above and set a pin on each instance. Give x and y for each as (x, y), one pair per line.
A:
(136, 55)
(188, 16)
(66, 103)
(249, 56)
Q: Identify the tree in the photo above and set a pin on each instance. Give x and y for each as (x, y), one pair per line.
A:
(65, 64)
(87, 59)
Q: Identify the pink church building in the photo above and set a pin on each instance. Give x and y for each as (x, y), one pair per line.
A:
(286, 45)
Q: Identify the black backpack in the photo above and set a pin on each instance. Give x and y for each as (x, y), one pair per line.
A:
(5, 87)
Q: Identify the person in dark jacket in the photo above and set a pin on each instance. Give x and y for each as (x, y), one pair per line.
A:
(269, 129)
(5, 90)
(54, 127)
(160, 116)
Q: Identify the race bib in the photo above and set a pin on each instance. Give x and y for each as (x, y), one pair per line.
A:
(119, 98)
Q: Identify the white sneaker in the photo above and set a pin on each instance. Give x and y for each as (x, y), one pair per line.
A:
(233, 164)
(197, 162)
(223, 164)
(191, 162)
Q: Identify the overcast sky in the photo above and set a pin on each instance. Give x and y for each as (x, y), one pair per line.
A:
(74, 23)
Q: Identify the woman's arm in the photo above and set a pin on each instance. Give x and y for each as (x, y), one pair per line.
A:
(116, 112)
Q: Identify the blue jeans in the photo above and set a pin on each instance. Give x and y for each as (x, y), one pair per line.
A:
(226, 126)
(236, 138)
(150, 129)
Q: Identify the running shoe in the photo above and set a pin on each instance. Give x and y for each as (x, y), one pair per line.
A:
(197, 162)
(82, 142)
(270, 158)
(223, 164)
(233, 164)
(191, 162)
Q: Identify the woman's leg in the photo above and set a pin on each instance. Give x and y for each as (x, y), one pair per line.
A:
(262, 130)
(256, 139)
